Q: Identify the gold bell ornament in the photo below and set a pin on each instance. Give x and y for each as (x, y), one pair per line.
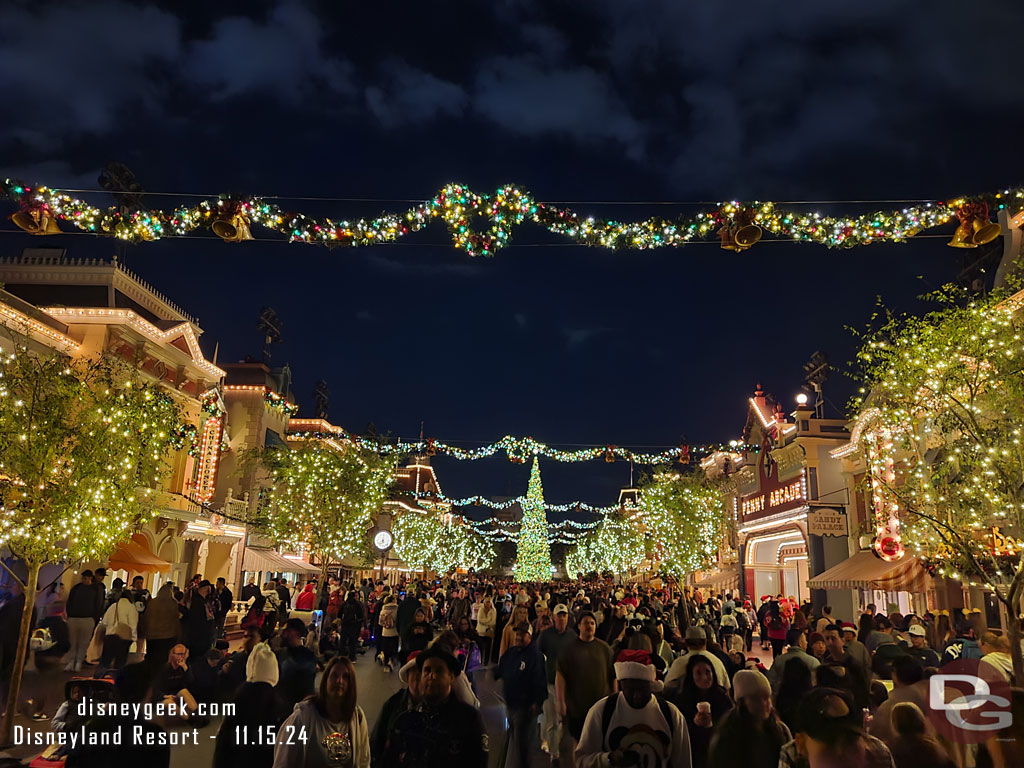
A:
(36, 221)
(975, 228)
(232, 229)
(729, 239)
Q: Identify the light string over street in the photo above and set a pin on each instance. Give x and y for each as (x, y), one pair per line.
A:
(520, 449)
(482, 224)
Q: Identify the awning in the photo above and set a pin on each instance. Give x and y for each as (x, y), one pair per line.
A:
(270, 561)
(131, 557)
(725, 580)
(866, 571)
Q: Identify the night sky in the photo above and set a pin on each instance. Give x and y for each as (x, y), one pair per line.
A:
(663, 101)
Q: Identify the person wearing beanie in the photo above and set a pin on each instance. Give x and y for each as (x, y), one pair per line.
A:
(633, 727)
(262, 666)
(751, 734)
(256, 709)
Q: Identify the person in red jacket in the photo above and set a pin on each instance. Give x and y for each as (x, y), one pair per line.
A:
(306, 598)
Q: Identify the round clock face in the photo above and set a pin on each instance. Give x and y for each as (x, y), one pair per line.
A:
(382, 540)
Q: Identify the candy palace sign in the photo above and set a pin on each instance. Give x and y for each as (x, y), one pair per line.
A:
(785, 494)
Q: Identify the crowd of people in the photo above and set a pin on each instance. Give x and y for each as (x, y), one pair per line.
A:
(591, 675)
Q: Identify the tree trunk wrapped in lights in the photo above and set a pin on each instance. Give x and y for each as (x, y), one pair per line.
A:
(82, 447)
(533, 552)
(942, 429)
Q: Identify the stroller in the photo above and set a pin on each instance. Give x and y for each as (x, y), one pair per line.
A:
(77, 689)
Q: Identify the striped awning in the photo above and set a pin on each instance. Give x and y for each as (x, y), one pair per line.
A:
(866, 571)
(725, 580)
(271, 561)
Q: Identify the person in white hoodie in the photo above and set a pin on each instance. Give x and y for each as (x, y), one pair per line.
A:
(995, 651)
(328, 728)
(121, 622)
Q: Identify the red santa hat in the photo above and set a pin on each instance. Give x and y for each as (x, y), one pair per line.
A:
(636, 665)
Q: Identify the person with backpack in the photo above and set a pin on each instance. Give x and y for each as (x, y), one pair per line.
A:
(633, 727)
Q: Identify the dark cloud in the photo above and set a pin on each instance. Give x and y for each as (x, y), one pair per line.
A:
(280, 57)
(75, 68)
(522, 95)
(407, 95)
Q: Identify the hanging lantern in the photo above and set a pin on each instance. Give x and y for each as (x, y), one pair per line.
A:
(975, 228)
(36, 221)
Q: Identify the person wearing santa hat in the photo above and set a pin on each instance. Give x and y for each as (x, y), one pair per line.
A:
(634, 727)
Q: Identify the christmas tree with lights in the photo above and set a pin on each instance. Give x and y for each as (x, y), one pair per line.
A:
(533, 561)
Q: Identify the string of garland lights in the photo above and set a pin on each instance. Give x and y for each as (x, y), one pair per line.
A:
(482, 501)
(481, 225)
(520, 449)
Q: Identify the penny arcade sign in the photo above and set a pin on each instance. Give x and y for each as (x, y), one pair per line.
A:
(772, 496)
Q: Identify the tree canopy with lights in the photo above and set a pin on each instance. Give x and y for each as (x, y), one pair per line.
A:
(83, 446)
(322, 497)
(678, 524)
(427, 540)
(942, 414)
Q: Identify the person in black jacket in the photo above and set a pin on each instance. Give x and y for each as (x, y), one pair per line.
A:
(524, 677)
(298, 667)
(440, 726)
(83, 604)
(222, 606)
(199, 622)
(398, 703)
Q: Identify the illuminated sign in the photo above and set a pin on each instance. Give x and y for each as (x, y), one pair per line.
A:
(787, 494)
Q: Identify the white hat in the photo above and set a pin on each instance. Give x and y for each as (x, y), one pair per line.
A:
(561, 608)
(262, 665)
(405, 669)
(917, 629)
(636, 665)
(749, 681)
